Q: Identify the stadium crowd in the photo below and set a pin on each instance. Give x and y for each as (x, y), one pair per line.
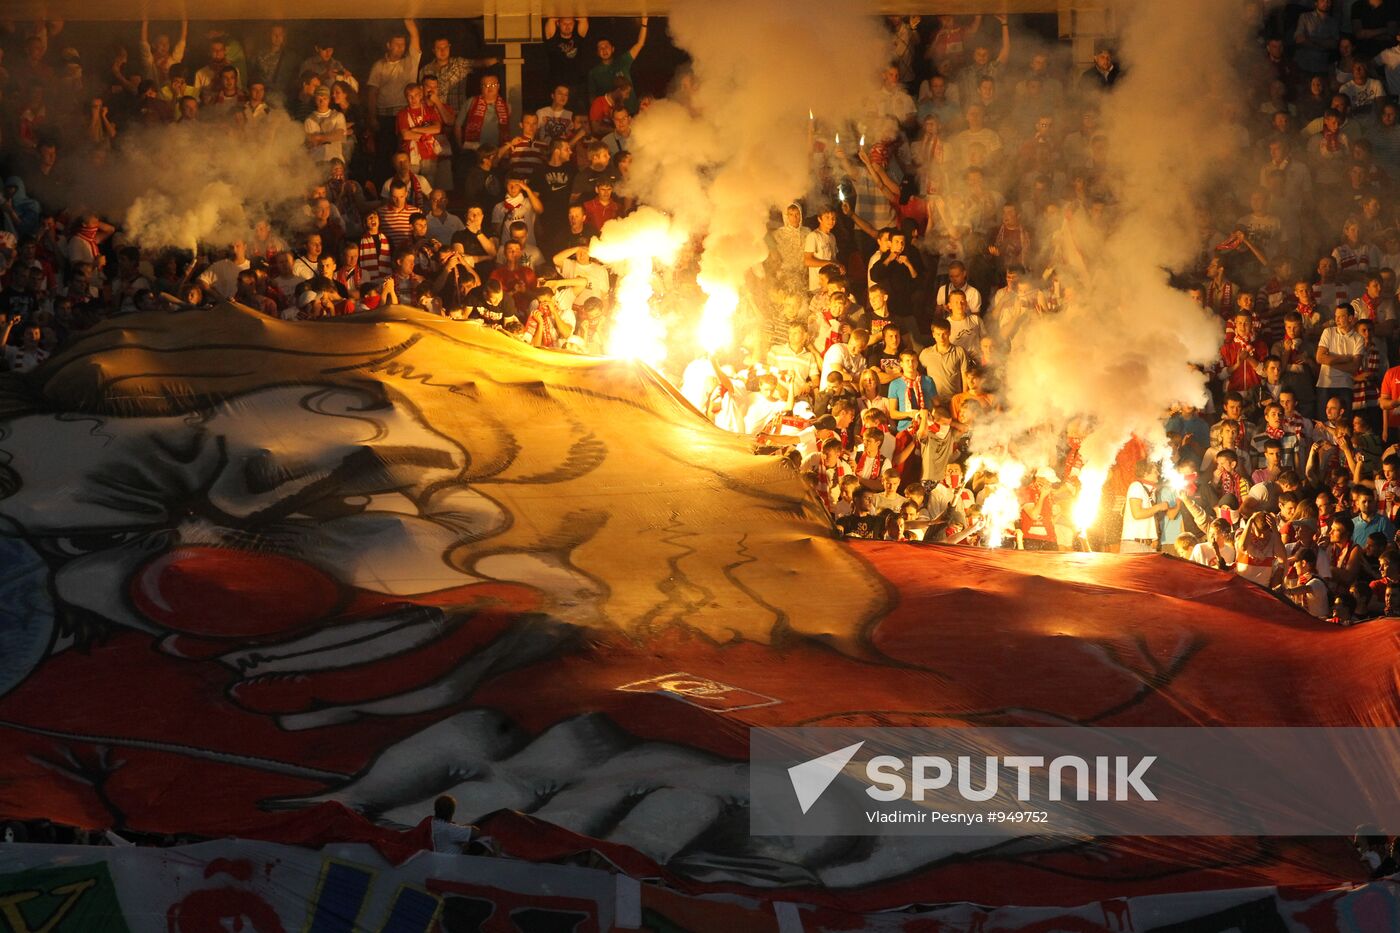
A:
(873, 337)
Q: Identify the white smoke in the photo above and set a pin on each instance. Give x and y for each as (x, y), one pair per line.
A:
(206, 182)
(1120, 352)
(731, 144)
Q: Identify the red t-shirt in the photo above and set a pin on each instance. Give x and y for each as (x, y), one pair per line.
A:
(1390, 388)
(1238, 359)
(599, 213)
(601, 111)
(1046, 518)
(428, 146)
(912, 469)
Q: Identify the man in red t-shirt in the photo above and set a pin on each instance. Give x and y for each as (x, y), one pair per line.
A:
(602, 208)
(514, 275)
(1390, 402)
(1242, 358)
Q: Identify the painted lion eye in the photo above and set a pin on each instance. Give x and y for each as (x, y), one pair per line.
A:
(78, 545)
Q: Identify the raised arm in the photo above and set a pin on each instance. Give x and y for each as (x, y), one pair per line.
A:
(880, 175)
(861, 223)
(10, 323)
(535, 203)
(414, 45)
(636, 49)
(1005, 54)
(564, 254)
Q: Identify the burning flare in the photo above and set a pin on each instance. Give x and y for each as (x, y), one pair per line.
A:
(635, 245)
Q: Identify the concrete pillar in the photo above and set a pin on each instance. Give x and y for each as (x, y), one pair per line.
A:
(1085, 23)
(512, 23)
(514, 60)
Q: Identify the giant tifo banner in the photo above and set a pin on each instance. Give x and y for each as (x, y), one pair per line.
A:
(251, 567)
(257, 887)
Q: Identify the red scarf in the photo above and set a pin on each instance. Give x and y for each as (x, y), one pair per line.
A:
(1366, 387)
(1332, 141)
(417, 197)
(824, 476)
(1229, 485)
(877, 462)
(88, 234)
(1371, 305)
(1390, 499)
(914, 394)
(476, 116)
(1221, 297)
(1340, 553)
(428, 147)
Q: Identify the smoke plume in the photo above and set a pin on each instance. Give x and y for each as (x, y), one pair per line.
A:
(1118, 354)
(207, 182)
(731, 142)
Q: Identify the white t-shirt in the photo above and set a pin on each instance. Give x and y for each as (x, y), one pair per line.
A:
(1139, 529)
(1205, 554)
(1338, 344)
(1314, 600)
(554, 124)
(449, 837)
(974, 297)
(507, 212)
(596, 274)
(20, 360)
(222, 276)
(822, 246)
(967, 334)
(761, 411)
(391, 78)
(839, 356)
(325, 123)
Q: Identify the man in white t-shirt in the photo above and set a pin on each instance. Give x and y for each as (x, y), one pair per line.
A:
(819, 249)
(221, 277)
(1140, 512)
(1218, 550)
(29, 354)
(1338, 353)
(796, 361)
(447, 835)
(848, 357)
(325, 129)
(576, 263)
(957, 282)
(1309, 592)
(556, 119)
(386, 82)
(520, 203)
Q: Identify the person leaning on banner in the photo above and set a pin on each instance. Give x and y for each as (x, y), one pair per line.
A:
(454, 837)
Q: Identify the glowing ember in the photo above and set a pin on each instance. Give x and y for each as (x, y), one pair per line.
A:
(861, 144)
